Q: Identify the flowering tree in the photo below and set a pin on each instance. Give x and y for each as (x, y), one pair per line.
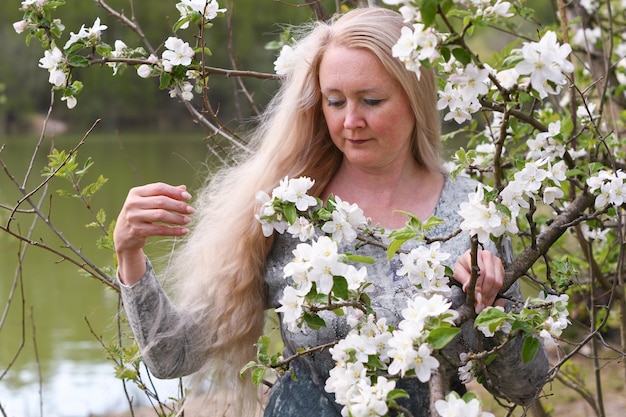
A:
(543, 120)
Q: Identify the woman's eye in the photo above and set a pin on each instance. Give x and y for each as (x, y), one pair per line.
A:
(372, 101)
(334, 102)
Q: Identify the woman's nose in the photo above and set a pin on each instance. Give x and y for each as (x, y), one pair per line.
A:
(353, 118)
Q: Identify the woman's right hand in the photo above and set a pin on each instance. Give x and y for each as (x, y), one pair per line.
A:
(157, 209)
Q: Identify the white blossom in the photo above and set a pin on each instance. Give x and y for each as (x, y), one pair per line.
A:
(20, 26)
(290, 308)
(178, 52)
(209, 9)
(286, 60)
(546, 62)
(594, 234)
(90, 35)
(454, 406)
(144, 71)
(295, 191)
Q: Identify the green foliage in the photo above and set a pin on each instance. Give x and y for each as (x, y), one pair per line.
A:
(441, 336)
(65, 165)
(414, 229)
(530, 348)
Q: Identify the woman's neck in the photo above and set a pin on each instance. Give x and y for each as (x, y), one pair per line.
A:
(380, 194)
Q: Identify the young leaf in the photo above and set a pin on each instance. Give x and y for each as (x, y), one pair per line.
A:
(340, 287)
(290, 213)
(491, 318)
(249, 365)
(314, 321)
(530, 349)
(441, 336)
(257, 376)
(360, 259)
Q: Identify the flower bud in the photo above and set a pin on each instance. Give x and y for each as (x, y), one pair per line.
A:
(20, 26)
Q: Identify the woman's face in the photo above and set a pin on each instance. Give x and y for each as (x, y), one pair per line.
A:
(366, 110)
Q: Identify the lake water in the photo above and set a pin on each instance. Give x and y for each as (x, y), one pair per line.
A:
(52, 320)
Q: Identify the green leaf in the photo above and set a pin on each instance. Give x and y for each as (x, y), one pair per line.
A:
(530, 349)
(78, 61)
(103, 49)
(365, 299)
(462, 55)
(394, 246)
(93, 188)
(263, 344)
(101, 216)
(441, 336)
(445, 53)
(203, 50)
(165, 80)
(246, 367)
(340, 287)
(405, 233)
(257, 376)
(314, 321)
(433, 221)
(396, 394)
(180, 23)
(490, 318)
(429, 12)
(324, 214)
(290, 212)
(360, 259)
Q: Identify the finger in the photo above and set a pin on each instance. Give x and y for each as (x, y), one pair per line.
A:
(462, 270)
(157, 209)
(500, 302)
(461, 275)
(142, 231)
(161, 202)
(178, 192)
(491, 277)
(160, 196)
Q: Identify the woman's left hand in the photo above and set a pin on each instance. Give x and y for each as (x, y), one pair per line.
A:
(490, 277)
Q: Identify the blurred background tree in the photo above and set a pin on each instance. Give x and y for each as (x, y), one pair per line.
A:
(126, 102)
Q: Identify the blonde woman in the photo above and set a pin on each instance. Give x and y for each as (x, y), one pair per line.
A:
(351, 117)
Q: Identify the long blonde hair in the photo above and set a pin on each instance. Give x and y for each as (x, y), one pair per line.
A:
(218, 270)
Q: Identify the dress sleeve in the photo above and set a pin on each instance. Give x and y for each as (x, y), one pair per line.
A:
(162, 333)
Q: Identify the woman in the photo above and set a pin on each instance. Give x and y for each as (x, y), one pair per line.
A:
(350, 116)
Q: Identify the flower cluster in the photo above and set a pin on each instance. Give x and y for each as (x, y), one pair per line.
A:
(462, 93)
(486, 219)
(546, 62)
(286, 60)
(323, 279)
(346, 220)
(541, 65)
(612, 188)
(423, 268)
(195, 10)
(315, 268)
(273, 214)
(553, 310)
(177, 53)
(54, 61)
(87, 37)
(33, 10)
(454, 406)
(407, 350)
(416, 47)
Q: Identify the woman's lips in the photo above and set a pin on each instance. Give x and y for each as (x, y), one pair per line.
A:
(357, 141)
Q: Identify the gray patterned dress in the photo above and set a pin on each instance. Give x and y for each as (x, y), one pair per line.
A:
(146, 303)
